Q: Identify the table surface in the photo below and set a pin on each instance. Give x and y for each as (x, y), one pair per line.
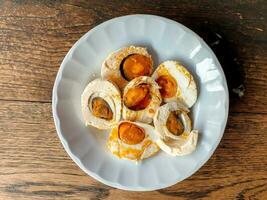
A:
(36, 35)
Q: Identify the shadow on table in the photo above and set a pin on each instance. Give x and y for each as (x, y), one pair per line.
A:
(229, 59)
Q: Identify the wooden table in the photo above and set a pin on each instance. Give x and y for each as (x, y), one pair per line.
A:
(36, 35)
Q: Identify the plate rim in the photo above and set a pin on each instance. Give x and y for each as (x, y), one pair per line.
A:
(65, 143)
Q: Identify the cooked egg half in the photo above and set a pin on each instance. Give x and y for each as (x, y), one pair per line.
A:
(176, 83)
(141, 99)
(101, 104)
(126, 64)
(132, 141)
(174, 129)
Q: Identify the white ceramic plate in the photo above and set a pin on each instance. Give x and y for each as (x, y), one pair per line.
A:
(165, 40)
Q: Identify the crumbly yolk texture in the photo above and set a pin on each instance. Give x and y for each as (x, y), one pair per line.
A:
(136, 65)
(101, 109)
(130, 133)
(168, 86)
(174, 124)
(138, 98)
(128, 152)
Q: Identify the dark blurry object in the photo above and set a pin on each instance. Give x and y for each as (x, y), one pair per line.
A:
(231, 65)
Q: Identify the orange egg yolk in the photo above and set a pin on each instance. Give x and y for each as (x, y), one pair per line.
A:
(136, 65)
(168, 86)
(130, 133)
(174, 124)
(138, 98)
(101, 109)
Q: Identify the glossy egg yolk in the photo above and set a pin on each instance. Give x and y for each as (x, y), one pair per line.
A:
(101, 109)
(130, 133)
(138, 98)
(168, 86)
(136, 65)
(174, 124)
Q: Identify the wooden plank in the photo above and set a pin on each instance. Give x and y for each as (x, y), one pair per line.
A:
(34, 164)
(34, 38)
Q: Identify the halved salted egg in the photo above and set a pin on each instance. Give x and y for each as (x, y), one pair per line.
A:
(141, 99)
(101, 104)
(176, 83)
(174, 129)
(133, 141)
(126, 64)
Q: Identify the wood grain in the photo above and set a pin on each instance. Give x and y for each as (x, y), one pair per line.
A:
(36, 35)
(34, 164)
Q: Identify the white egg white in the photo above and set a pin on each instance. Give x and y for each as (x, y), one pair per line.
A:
(173, 144)
(186, 86)
(107, 91)
(137, 152)
(110, 69)
(146, 115)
